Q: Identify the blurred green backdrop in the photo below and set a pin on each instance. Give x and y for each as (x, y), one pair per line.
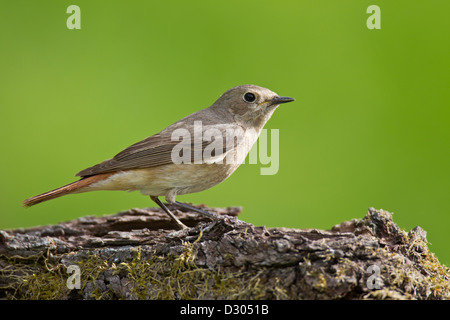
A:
(370, 125)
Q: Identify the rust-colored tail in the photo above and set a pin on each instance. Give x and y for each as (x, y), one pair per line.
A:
(67, 189)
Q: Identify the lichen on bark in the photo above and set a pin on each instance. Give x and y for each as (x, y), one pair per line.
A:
(137, 254)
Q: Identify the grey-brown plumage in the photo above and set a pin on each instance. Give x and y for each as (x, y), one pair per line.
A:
(148, 166)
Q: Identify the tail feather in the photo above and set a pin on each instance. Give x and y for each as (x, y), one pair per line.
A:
(73, 187)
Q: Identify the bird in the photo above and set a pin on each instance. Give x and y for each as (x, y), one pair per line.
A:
(193, 154)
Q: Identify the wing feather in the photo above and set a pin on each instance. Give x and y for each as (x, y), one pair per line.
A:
(150, 152)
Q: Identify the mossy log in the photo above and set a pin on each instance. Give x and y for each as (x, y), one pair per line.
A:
(138, 254)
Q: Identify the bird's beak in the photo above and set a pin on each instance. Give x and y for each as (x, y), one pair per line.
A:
(279, 100)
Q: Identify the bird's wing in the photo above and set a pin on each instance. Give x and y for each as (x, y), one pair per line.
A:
(156, 151)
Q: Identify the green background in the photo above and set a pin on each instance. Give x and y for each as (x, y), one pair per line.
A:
(370, 125)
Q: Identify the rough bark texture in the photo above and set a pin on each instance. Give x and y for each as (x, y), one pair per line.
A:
(137, 254)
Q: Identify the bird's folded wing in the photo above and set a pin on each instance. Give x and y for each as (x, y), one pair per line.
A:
(155, 151)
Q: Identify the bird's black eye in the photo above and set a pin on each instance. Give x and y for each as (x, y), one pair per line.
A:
(249, 97)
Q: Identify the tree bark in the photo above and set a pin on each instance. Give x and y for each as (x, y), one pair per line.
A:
(138, 254)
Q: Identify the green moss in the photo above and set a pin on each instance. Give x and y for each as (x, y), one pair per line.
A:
(33, 278)
(178, 277)
(406, 280)
(438, 280)
(156, 277)
(409, 270)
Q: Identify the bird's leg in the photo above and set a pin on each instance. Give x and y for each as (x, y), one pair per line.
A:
(163, 206)
(189, 207)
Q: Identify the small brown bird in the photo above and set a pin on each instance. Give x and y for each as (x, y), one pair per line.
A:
(214, 142)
